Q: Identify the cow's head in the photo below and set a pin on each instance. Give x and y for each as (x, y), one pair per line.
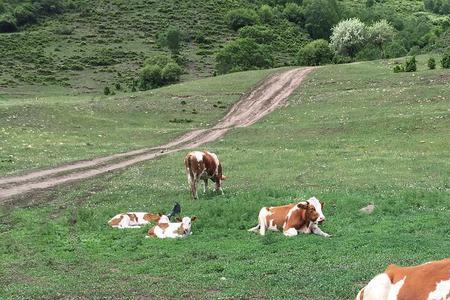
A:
(318, 205)
(311, 214)
(186, 223)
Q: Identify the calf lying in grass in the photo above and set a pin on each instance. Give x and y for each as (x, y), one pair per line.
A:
(133, 219)
(166, 229)
(292, 219)
(136, 219)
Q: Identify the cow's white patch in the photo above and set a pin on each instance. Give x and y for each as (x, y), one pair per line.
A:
(290, 232)
(395, 289)
(216, 161)
(442, 291)
(378, 288)
(272, 226)
(316, 203)
(198, 155)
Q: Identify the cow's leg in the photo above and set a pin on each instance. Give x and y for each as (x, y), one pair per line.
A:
(290, 232)
(206, 185)
(316, 230)
(194, 188)
(219, 187)
(262, 221)
(254, 229)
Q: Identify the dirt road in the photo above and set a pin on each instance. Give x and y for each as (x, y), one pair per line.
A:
(272, 93)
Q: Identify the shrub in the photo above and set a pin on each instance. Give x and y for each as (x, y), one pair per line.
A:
(265, 13)
(25, 14)
(150, 77)
(315, 53)
(241, 17)
(348, 36)
(410, 65)
(173, 39)
(8, 23)
(261, 34)
(106, 90)
(171, 73)
(243, 54)
(395, 49)
(431, 63)
(369, 52)
(445, 61)
(399, 68)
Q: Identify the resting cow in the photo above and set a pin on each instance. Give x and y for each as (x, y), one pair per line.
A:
(203, 165)
(429, 281)
(303, 217)
(133, 219)
(166, 229)
(136, 219)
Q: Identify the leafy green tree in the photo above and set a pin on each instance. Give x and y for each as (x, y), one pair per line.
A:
(173, 39)
(381, 33)
(320, 16)
(410, 65)
(241, 17)
(8, 23)
(159, 59)
(315, 53)
(294, 13)
(243, 54)
(348, 37)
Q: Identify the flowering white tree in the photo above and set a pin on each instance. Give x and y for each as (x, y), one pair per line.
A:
(348, 36)
(381, 33)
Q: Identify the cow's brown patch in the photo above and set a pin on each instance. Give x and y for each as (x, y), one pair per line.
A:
(163, 226)
(133, 217)
(361, 295)
(420, 280)
(278, 215)
(152, 217)
(115, 221)
(180, 230)
(151, 231)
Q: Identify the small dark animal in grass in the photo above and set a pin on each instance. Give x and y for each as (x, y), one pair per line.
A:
(203, 166)
(303, 217)
(429, 281)
(166, 229)
(136, 219)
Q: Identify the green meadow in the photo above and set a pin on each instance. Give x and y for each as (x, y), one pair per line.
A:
(350, 135)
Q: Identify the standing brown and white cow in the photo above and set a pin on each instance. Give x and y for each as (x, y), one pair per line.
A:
(203, 165)
(429, 281)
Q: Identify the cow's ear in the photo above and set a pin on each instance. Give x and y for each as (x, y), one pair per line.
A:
(179, 219)
(322, 204)
(193, 218)
(302, 205)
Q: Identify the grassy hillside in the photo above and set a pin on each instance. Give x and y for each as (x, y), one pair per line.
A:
(94, 44)
(351, 135)
(44, 131)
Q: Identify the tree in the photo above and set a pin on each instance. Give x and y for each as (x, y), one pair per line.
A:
(315, 53)
(381, 33)
(410, 65)
(431, 63)
(173, 39)
(348, 36)
(320, 16)
(265, 13)
(294, 13)
(171, 73)
(150, 77)
(445, 61)
(241, 17)
(243, 54)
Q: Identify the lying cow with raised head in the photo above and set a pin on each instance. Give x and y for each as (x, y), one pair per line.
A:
(137, 219)
(166, 229)
(203, 166)
(429, 281)
(303, 217)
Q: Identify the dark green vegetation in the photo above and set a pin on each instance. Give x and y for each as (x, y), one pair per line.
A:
(79, 46)
(43, 131)
(351, 135)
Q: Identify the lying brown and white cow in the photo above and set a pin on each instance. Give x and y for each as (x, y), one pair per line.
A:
(132, 219)
(429, 281)
(203, 165)
(303, 217)
(166, 229)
